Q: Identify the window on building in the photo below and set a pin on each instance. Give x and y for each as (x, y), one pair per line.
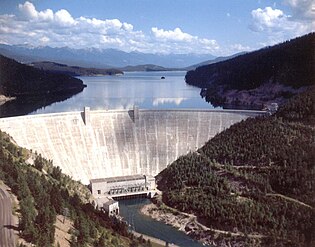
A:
(99, 192)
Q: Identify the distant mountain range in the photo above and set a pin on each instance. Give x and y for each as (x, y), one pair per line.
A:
(92, 57)
(211, 61)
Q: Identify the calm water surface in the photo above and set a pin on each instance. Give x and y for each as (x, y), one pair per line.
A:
(130, 210)
(145, 89)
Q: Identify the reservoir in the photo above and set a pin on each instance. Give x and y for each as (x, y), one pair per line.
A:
(130, 210)
(145, 89)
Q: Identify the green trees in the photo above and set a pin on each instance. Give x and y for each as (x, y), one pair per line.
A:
(28, 215)
(39, 163)
(290, 63)
(43, 196)
(234, 181)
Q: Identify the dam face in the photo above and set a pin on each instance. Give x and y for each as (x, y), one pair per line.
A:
(102, 144)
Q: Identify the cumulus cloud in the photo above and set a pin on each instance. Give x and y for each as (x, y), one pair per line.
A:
(176, 35)
(60, 28)
(268, 18)
(64, 18)
(177, 40)
(280, 25)
(302, 9)
(29, 12)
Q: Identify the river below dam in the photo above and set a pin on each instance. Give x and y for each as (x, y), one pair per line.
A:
(130, 211)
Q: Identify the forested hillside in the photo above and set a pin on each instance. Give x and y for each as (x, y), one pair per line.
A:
(270, 74)
(24, 89)
(257, 178)
(21, 80)
(44, 192)
(73, 70)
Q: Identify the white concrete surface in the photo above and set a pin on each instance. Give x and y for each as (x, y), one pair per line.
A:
(113, 143)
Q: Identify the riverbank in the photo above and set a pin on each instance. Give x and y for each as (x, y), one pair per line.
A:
(144, 225)
(181, 221)
(154, 241)
(189, 224)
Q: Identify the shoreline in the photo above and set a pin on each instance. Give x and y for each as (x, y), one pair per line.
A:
(183, 222)
(189, 224)
(153, 239)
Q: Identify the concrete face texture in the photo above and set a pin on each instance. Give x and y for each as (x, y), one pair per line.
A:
(114, 143)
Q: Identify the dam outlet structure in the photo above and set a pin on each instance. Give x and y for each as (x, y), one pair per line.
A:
(110, 143)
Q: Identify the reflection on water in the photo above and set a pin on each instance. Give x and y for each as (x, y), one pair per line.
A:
(145, 89)
(25, 105)
(130, 210)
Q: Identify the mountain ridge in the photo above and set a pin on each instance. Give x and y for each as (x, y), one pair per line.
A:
(215, 60)
(98, 58)
(73, 70)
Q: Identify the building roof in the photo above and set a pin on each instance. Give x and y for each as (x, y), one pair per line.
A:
(117, 179)
(110, 202)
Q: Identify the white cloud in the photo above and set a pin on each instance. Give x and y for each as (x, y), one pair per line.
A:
(176, 35)
(268, 18)
(29, 11)
(60, 28)
(280, 26)
(178, 41)
(64, 18)
(302, 9)
(235, 48)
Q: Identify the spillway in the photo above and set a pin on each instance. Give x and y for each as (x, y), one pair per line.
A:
(98, 144)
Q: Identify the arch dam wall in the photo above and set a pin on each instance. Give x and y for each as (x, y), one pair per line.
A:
(99, 144)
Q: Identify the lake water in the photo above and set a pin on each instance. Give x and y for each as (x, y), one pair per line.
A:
(144, 89)
(130, 210)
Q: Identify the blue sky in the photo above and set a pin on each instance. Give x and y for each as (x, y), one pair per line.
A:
(220, 27)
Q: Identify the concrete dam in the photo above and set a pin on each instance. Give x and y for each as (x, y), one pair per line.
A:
(107, 143)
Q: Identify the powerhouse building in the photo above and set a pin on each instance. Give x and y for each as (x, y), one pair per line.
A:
(123, 186)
